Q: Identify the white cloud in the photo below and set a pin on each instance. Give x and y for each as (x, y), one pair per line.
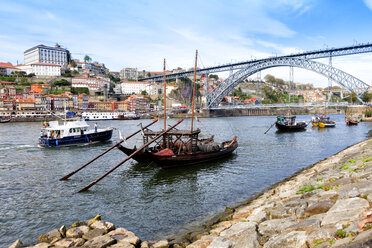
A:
(368, 3)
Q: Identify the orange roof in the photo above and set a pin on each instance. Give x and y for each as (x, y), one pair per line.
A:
(135, 82)
(6, 82)
(6, 65)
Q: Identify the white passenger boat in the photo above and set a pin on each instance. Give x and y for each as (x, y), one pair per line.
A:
(55, 133)
(99, 116)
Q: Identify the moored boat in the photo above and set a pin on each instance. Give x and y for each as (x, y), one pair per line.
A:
(289, 124)
(99, 116)
(324, 121)
(5, 119)
(128, 116)
(351, 122)
(68, 133)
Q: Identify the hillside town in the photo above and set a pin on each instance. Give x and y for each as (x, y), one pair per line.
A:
(50, 80)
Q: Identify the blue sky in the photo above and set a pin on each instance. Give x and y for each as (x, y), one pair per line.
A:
(141, 33)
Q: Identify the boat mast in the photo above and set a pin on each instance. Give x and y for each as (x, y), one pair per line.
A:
(165, 100)
(193, 92)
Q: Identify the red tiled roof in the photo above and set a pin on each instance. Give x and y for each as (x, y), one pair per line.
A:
(135, 82)
(6, 65)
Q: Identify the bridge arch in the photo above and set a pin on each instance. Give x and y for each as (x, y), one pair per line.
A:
(342, 78)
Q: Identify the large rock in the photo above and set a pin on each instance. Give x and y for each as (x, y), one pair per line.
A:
(161, 244)
(220, 227)
(221, 242)
(271, 227)
(345, 211)
(296, 239)
(322, 234)
(69, 242)
(243, 234)
(306, 225)
(123, 235)
(364, 236)
(259, 214)
(93, 233)
(40, 245)
(50, 236)
(17, 244)
(122, 245)
(320, 207)
(99, 242)
(107, 226)
(74, 232)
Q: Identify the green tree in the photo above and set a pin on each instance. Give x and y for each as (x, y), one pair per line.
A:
(87, 58)
(366, 97)
(215, 76)
(73, 64)
(144, 92)
(62, 82)
(269, 78)
(31, 75)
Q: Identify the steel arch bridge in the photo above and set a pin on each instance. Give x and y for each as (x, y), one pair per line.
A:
(342, 78)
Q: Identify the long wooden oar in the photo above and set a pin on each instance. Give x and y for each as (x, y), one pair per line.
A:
(270, 128)
(129, 157)
(103, 153)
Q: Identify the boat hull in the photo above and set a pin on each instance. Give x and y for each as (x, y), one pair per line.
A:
(184, 159)
(78, 139)
(321, 124)
(291, 128)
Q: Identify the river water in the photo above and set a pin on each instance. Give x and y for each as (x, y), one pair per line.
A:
(151, 202)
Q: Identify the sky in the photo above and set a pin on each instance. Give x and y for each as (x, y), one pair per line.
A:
(142, 33)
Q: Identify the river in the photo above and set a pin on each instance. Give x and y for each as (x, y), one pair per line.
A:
(151, 202)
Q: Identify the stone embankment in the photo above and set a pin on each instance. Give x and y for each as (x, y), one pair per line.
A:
(326, 205)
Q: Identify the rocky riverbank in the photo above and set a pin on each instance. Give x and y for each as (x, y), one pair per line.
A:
(326, 205)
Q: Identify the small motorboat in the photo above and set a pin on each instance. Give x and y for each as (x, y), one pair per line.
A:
(68, 133)
(5, 119)
(324, 121)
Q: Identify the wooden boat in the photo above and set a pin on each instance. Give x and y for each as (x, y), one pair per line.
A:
(183, 148)
(351, 122)
(324, 121)
(127, 116)
(289, 124)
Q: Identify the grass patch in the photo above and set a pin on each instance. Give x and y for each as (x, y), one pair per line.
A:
(351, 161)
(317, 243)
(319, 179)
(367, 160)
(341, 233)
(306, 189)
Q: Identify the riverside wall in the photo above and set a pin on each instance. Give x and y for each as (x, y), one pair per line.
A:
(328, 204)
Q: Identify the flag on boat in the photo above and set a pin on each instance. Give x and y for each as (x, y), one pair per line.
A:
(196, 118)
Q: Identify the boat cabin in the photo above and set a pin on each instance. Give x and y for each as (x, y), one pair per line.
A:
(54, 129)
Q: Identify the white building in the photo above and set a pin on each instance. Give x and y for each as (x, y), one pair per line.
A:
(90, 83)
(6, 69)
(45, 54)
(41, 69)
(129, 74)
(129, 88)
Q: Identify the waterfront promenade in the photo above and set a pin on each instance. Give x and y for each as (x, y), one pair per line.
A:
(324, 205)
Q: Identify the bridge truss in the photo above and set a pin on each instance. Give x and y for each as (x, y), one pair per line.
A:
(344, 79)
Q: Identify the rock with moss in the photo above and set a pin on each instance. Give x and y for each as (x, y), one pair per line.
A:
(50, 236)
(17, 244)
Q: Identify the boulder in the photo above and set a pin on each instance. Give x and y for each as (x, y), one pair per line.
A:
(342, 181)
(107, 226)
(295, 239)
(259, 214)
(220, 227)
(122, 245)
(62, 231)
(93, 233)
(345, 211)
(220, 242)
(243, 234)
(199, 244)
(49, 236)
(323, 234)
(318, 208)
(99, 242)
(17, 244)
(123, 235)
(74, 232)
(69, 242)
(40, 245)
(342, 242)
(161, 244)
(271, 227)
(91, 221)
(306, 225)
(363, 236)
